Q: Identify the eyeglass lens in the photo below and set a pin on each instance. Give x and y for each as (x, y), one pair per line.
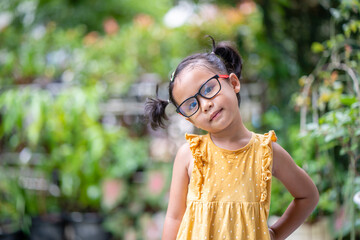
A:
(208, 90)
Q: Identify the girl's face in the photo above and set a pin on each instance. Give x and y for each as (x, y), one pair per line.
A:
(215, 114)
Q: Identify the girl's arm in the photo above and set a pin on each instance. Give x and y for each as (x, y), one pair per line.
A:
(301, 187)
(178, 193)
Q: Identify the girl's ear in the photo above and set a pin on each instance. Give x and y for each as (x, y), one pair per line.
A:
(234, 82)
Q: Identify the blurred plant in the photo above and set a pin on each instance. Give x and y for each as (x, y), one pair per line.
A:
(151, 225)
(156, 185)
(331, 93)
(67, 129)
(119, 53)
(66, 13)
(12, 209)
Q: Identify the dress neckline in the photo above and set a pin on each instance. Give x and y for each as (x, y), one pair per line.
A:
(242, 149)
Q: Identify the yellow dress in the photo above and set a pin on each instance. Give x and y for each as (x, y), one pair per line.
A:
(229, 191)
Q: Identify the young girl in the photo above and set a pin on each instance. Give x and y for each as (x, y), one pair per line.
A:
(221, 181)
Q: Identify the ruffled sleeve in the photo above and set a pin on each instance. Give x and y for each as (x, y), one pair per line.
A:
(197, 175)
(266, 162)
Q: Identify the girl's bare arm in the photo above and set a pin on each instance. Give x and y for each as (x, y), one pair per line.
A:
(301, 187)
(178, 193)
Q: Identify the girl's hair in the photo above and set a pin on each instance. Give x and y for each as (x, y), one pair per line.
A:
(223, 59)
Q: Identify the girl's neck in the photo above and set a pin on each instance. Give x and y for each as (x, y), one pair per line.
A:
(233, 137)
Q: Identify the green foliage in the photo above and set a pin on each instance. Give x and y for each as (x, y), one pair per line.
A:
(89, 13)
(331, 92)
(13, 206)
(68, 131)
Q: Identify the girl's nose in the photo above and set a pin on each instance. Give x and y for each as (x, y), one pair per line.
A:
(206, 104)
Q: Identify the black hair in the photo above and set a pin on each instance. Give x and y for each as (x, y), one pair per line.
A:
(223, 59)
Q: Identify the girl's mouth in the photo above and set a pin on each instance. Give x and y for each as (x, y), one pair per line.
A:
(215, 114)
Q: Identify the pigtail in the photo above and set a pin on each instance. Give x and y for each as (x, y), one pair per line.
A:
(230, 56)
(155, 112)
(213, 42)
(225, 56)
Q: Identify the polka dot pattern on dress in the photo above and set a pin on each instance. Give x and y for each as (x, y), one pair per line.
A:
(227, 192)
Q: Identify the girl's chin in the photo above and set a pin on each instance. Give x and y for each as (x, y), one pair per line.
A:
(220, 125)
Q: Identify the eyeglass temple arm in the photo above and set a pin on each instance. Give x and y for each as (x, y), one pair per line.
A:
(223, 76)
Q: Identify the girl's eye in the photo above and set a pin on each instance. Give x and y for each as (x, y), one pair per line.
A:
(192, 105)
(208, 89)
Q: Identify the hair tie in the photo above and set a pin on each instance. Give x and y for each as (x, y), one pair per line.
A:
(172, 76)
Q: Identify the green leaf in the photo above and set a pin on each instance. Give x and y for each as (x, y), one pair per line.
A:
(34, 113)
(317, 47)
(354, 147)
(335, 134)
(357, 132)
(347, 30)
(335, 13)
(344, 117)
(348, 100)
(355, 105)
(331, 43)
(93, 192)
(343, 151)
(354, 26)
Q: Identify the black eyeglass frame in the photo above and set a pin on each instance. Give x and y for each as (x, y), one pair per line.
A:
(199, 93)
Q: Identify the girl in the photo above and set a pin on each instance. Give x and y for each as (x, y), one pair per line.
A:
(221, 181)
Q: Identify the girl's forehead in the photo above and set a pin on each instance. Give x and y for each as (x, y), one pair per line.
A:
(188, 82)
(193, 75)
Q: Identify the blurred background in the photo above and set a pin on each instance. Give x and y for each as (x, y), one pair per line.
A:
(77, 158)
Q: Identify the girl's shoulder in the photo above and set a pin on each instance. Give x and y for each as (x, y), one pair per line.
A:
(196, 142)
(270, 135)
(194, 137)
(183, 156)
(266, 138)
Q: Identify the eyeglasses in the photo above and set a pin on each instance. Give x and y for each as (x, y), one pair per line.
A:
(207, 90)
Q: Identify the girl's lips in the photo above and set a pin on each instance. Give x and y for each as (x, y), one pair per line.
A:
(215, 114)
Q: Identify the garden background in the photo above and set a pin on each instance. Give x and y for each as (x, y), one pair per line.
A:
(77, 158)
